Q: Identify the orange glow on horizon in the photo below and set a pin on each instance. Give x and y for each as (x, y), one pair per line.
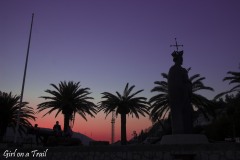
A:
(98, 128)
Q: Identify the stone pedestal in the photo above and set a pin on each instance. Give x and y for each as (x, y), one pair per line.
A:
(184, 139)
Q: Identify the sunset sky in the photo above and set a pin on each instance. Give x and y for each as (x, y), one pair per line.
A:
(106, 43)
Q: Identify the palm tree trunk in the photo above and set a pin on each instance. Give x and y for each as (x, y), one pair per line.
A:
(123, 130)
(66, 122)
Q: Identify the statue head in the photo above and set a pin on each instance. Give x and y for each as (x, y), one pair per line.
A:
(177, 57)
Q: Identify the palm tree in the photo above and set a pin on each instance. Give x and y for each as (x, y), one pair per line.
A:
(124, 104)
(69, 99)
(160, 102)
(234, 79)
(9, 108)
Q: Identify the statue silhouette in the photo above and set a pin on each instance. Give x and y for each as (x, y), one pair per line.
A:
(180, 90)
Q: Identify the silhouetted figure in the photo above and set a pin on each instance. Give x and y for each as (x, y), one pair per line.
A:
(57, 129)
(180, 90)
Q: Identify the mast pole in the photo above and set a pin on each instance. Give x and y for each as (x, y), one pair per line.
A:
(23, 83)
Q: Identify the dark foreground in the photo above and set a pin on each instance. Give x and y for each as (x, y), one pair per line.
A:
(217, 151)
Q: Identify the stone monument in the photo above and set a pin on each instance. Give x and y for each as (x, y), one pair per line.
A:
(180, 92)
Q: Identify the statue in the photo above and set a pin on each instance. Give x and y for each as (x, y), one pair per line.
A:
(180, 91)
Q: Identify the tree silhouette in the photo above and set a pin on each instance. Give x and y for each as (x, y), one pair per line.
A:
(68, 98)
(227, 123)
(124, 104)
(234, 78)
(160, 103)
(9, 108)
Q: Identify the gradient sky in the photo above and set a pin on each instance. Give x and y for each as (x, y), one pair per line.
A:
(106, 43)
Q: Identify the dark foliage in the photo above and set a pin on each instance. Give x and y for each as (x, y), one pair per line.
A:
(9, 108)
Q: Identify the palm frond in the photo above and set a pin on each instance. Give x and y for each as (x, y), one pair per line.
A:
(9, 108)
(234, 78)
(125, 103)
(68, 97)
(160, 103)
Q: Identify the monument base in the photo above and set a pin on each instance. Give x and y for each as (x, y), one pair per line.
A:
(184, 139)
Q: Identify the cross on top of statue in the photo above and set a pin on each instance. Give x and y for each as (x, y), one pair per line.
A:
(176, 44)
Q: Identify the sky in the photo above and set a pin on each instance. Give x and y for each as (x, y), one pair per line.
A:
(104, 44)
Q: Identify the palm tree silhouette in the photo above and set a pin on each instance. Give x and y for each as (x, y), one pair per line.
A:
(9, 108)
(69, 99)
(234, 79)
(124, 104)
(160, 103)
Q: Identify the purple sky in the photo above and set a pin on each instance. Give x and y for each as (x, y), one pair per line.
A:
(106, 43)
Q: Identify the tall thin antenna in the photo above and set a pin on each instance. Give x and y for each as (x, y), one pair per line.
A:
(23, 83)
(113, 127)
